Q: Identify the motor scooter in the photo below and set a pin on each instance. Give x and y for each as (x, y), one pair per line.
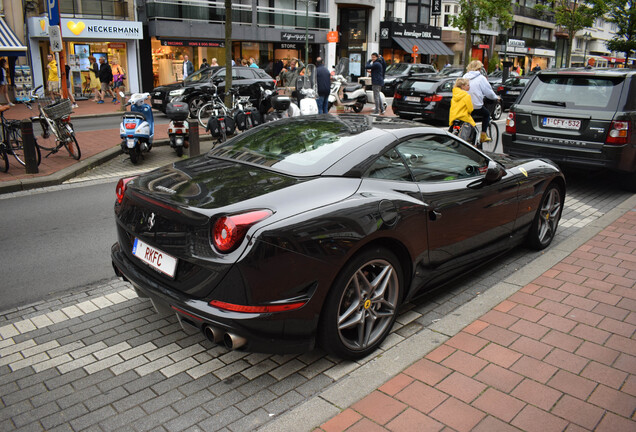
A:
(178, 128)
(307, 90)
(137, 128)
(343, 93)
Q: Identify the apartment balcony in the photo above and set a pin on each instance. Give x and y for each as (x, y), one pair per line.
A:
(214, 12)
(533, 13)
(90, 9)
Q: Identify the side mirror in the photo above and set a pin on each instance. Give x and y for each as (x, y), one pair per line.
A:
(494, 172)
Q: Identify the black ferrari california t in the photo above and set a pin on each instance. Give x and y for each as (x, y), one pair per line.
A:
(315, 229)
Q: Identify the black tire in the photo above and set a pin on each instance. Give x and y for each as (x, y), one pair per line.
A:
(493, 133)
(16, 147)
(71, 145)
(134, 154)
(357, 107)
(546, 219)
(4, 160)
(329, 106)
(44, 136)
(356, 319)
(406, 117)
(497, 111)
(179, 151)
(195, 105)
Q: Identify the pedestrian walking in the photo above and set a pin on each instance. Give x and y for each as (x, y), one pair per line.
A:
(188, 67)
(52, 78)
(4, 81)
(213, 62)
(118, 79)
(69, 87)
(323, 81)
(105, 78)
(93, 77)
(204, 64)
(377, 81)
(253, 63)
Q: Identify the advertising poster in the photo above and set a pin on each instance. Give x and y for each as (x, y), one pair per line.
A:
(355, 64)
(82, 52)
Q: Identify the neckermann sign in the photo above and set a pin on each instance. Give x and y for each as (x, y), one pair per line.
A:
(83, 29)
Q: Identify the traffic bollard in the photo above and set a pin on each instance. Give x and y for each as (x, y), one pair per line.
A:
(194, 148)
(28, 143)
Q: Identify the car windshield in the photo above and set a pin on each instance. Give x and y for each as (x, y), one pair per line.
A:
(577, 92)
(396, 69)
(516, 82)
(200, 76)
(302, 147)
(419, 86)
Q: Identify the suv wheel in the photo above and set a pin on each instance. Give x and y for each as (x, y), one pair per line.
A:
(195, 105)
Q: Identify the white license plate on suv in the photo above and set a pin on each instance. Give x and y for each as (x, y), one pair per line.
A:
(157, 101)
(155, 258)
(558, 123)
(412, 98)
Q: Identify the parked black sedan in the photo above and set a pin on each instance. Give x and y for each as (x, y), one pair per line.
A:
(511, 89)
(396, 73)
(316, 228)
(195, 89)
(429, 97)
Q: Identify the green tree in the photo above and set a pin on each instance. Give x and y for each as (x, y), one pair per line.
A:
(621, 13)
(572, 16)
(474, 12)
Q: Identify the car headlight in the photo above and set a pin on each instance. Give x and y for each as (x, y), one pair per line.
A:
(177, 92)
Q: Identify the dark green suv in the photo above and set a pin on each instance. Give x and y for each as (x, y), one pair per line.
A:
(580, 116)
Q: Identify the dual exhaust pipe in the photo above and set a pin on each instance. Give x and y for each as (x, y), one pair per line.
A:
(230, 340)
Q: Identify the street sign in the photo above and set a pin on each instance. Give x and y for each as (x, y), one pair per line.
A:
(332, 36)
(55, 38)
(54, 12)
(415, 49)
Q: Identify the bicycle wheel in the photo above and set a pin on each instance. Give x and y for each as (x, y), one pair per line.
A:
(493, 133)
(70, 142)
(4, 159)
(16, 147)
(204, 114)
(44, 135)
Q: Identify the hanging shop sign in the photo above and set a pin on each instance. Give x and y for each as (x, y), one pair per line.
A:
(193, 43)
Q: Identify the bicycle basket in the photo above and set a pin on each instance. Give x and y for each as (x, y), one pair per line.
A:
(59, 109)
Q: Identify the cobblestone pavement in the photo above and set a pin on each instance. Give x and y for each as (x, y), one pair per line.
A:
(103, 360)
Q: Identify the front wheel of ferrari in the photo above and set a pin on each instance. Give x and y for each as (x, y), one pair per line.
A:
(362, 304)
(547, 218)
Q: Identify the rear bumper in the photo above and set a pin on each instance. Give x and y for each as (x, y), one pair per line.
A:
(264, 332)
(616, 158)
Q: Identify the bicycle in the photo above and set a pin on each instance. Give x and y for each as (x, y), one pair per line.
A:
(54, 129)
(475, 135)
(217, 118)
(493, 128)
(12, 139)
(4, 159)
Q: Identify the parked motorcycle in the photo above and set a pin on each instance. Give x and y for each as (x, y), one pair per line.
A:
(137, 128)
(346, 94)
(273, 106)
(178, 128)
(307, 91)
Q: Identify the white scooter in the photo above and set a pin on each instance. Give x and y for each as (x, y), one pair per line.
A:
(343, 93)
(307, 91)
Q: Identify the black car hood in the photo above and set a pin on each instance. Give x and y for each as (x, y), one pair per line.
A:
(168, 87)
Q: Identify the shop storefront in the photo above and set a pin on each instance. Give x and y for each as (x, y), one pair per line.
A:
(399, 41)
(113, 40)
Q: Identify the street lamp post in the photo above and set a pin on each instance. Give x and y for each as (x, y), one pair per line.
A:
(307, 2)
(586, 37)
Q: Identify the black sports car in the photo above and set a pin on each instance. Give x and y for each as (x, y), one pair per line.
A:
(315, 229)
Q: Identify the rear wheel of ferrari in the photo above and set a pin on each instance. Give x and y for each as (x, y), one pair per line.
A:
(362, 305)
(546, 220)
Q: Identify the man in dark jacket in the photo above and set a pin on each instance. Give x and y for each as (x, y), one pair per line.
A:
(377, 81)
(323, 81)
(105, 78)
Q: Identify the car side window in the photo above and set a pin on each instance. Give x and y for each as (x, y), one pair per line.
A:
(447, 86)
(434, 158)
(389, 166)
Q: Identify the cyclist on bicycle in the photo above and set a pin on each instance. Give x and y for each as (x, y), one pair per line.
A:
(460, 111)
(480, 88)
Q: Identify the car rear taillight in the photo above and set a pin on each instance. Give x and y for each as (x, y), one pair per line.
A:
(500, 89)
(511, 123)
(397, 96)
(121, 188)
(257, 309)
(618, 133)
(434, 98)
(229, 231)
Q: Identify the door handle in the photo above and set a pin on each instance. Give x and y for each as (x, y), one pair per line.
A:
(434, 215)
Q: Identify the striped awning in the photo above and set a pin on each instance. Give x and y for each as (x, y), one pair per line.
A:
(10, 45)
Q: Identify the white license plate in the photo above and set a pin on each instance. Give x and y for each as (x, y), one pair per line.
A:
(157, 101)
(155, 258)
(514, 92)
(552, 122)
(412, 98)
(130, 143)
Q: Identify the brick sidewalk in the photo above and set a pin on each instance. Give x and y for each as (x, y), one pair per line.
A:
(557, 355)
